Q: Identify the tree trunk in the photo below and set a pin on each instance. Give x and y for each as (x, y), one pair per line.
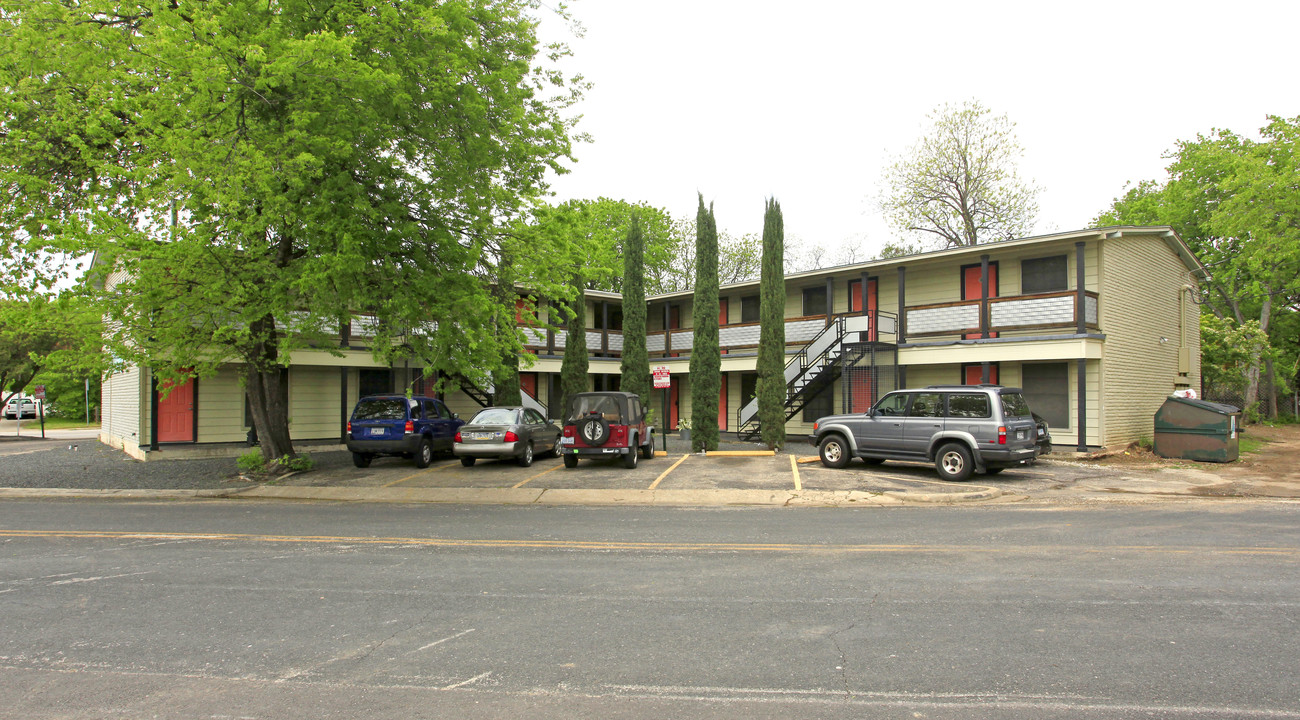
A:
(1270, 387)
(267, 394)
(1256, 356)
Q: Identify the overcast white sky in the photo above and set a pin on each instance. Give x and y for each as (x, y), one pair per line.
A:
(807, 102)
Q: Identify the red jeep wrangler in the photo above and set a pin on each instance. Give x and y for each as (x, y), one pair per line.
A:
(604, 424)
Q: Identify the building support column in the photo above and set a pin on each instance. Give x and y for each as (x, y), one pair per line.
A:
(830, 299)
(343, 405)
(900, 370)
(1080, 309)
(984, 304)
(153, 410)
(1082, 401)
(604, 328)
(668, 332)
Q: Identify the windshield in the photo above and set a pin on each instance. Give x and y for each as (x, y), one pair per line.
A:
(604, 405)
(1014, 405)
(496, 416)
(385, 409)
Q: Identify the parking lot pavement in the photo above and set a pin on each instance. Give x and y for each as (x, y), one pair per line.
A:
(793, 475)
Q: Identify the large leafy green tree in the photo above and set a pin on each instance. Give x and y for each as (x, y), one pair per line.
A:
(959, 185)
(706, 355)
(257, 173)
(41, 335)
(1236, 201)
(635, 364)
(771, 389)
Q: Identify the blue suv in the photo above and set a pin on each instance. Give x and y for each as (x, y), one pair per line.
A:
(397, 425)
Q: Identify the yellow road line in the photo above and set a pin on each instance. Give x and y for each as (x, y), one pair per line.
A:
(422, 472)
(598, 545)
(525, 482)
(659, 479)
(794, 468)
(812, 459)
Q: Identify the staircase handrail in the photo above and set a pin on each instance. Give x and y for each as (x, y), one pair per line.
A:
(811, 355)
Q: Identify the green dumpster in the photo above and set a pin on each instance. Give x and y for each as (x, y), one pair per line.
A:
(1197, 430)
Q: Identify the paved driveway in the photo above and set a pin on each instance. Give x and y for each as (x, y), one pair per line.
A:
(84, 464)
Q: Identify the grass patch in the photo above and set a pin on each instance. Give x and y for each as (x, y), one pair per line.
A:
(1247, 444)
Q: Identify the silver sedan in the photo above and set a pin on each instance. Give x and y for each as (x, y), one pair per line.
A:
(506, 432)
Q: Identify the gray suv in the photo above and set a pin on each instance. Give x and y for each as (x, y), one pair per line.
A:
(960, 428)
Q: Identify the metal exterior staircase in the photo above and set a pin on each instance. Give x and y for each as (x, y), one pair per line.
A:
(483, 396)
(810, 369)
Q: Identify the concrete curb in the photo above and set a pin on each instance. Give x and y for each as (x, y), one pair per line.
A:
(713, 497)
(983, 493)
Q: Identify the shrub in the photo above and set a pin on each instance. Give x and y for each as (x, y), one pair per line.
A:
(251, 462)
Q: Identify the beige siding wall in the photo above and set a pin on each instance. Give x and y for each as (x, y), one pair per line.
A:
(314, 402)
(1142, 279)
(121, 396)
(221, 407)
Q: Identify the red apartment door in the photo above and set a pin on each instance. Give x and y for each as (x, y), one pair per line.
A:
(722, 321)
(861, 392)
(970, 288)
(528, 383)
(722, 405)
(674, 387)
(176, 414)
(855, 301)
(976, 371)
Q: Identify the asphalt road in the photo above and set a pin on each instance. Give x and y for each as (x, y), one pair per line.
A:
(314, 610)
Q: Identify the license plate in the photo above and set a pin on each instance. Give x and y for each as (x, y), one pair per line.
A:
(376, 431)
(482, 436)
(566, 441)
(1021, 435)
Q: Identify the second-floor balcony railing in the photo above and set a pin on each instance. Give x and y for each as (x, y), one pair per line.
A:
(1005, 314)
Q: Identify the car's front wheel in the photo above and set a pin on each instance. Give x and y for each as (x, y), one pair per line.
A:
(954, 462)
(361, 460)
(834, 451)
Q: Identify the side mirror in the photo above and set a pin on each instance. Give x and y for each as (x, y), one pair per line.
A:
(455, 416)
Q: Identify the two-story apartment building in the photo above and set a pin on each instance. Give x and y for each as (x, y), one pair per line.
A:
(1097, 326)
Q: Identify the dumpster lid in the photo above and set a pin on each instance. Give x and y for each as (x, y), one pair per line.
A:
(1205, 405)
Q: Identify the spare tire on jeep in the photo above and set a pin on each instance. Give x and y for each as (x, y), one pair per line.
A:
(594, 430)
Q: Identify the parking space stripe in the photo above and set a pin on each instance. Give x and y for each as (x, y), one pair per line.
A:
(659, 479)
(422, 472)
(794, 467)
(525, 482)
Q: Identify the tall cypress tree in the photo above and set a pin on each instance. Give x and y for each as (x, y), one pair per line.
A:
(636, 362)
(771, 387)
(573, 369)
(706, 357)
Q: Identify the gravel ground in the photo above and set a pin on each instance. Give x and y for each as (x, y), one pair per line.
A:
(88, 464)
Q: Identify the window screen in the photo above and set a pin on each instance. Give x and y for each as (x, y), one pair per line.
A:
(1042, 275)
(749, 309)
(814, 301)
(1046, 388)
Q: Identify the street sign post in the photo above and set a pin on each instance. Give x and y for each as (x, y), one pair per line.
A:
(663, 380)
